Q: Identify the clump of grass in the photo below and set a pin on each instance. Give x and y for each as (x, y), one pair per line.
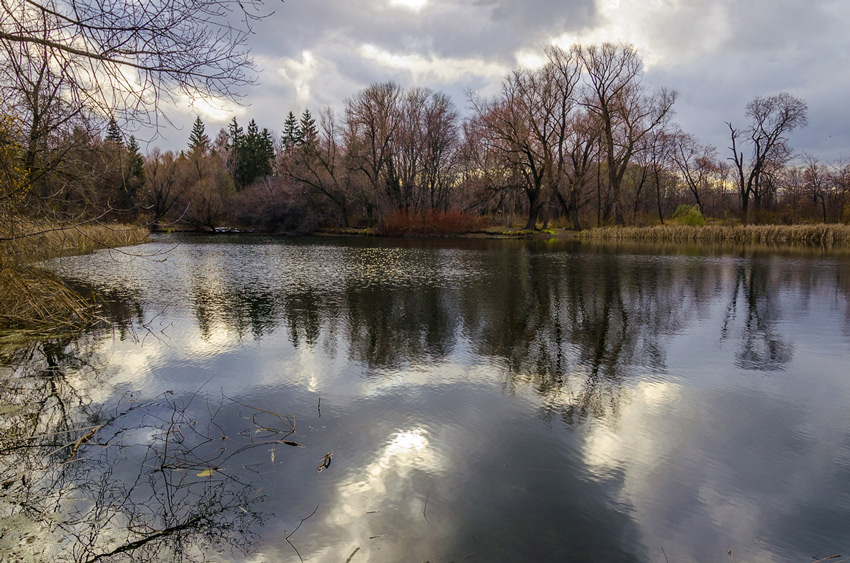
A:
(35, 299)
(689, 215)
(821, 234)
(431, 224)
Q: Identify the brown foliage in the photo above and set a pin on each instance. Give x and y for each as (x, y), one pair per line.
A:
(430, 224)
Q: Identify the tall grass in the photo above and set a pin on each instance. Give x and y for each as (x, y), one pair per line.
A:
(820, 235)
(34, 299)
(25, 243)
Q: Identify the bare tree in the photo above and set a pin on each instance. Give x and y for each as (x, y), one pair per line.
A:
(320, 166)
(372, 118)
(529, 122)
(616, 97)
(581, 148)
(164, 184)
(696, 162)
(121, 54)
(440, 147)
(771, 119)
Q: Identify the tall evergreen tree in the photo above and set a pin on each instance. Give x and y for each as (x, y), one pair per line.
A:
(254, 154)
(198, 138)
(135, 174)
(234, 143)
(309, 132)
(266, 147)
(291, 133)
(113, 133)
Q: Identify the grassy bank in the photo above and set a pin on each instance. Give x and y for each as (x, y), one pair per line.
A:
(35, 300)
(815, 235)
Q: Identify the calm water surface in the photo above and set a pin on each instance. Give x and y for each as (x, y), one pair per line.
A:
(479, 401)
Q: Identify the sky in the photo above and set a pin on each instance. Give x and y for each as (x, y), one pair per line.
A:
(718, 55)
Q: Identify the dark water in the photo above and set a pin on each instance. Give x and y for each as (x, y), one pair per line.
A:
(481, 401)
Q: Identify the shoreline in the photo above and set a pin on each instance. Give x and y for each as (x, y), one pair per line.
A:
(813, 236)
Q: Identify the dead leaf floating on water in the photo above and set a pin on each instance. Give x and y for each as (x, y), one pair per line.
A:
(293, 444)
(326, 461)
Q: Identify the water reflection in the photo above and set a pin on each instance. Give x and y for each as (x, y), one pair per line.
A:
(132, 479)
(504, 400)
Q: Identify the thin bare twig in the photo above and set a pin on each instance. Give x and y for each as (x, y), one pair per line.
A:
(296, 529)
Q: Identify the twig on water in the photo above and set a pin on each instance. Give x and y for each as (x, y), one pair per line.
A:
(319, 407)
(426, 506)
(353, 553)
(296, 529)
(665, 554)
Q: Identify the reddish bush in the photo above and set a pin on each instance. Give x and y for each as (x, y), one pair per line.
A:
(431, 224)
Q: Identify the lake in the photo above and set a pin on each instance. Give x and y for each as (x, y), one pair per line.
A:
(375, 400)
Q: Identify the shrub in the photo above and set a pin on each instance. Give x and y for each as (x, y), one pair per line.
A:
(689, 215)
(431, 224)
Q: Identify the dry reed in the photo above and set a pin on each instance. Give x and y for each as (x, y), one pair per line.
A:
(35, 299)
(815, 235)
(29, 242)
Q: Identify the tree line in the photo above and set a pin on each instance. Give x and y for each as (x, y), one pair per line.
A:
(581, 141)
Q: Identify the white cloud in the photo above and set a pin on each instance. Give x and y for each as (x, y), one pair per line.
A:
(424, 69)
(412, 5)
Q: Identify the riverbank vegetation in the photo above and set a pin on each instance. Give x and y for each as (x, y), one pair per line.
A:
(580, 142)
(34, 299)
(818, 234)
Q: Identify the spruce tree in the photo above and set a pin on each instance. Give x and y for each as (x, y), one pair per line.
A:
(135, 176)
(137, 162)
(291, 133)
(254, 154)
(113, 133)
(198, 138)
(266, 147)
(234, 147)
(309, 133)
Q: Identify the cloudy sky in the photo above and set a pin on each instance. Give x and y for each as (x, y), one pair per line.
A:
(717, 54)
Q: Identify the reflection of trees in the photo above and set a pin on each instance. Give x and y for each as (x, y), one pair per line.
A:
(761, 347)
(392, 327)
(572, 325)
(303, 316)
(238, 308)
(575, 326)
(158, 480)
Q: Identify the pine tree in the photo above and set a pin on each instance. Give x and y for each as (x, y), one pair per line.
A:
(309, 133)
(113, 133)
(235, 133)
(234, 147)
(266, 147)
(291, 133)
(135, 175)
(137, 162)
(198, 138)
(254, 154)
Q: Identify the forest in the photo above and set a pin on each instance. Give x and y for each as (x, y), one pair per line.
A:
(582, 141)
